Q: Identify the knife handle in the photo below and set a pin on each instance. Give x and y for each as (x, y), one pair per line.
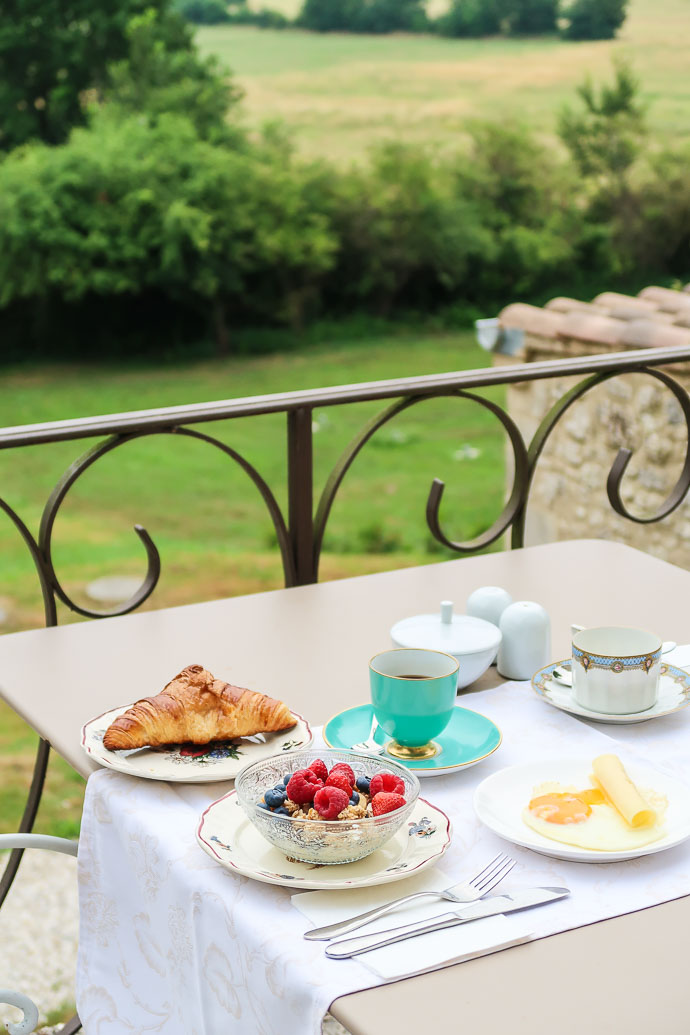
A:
(344, 926)
(347, 947)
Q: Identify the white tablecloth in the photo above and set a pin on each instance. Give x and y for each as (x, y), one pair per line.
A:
(172, 943)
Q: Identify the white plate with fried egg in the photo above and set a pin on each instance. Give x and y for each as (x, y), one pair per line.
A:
(558, 808)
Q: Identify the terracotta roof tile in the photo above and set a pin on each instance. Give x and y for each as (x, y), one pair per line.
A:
(665, 299)
(563, 304)
(585, 327)
(624, 307)
(647, 334)
(657, 317)
(530, 318)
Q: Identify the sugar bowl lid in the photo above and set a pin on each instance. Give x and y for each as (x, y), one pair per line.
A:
(453, 634)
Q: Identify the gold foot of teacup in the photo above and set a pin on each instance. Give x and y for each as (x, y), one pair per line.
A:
(412, 754)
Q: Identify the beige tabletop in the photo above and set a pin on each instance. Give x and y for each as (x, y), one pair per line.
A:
(310, 646)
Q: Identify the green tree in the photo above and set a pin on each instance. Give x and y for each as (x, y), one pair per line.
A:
(204, 12)
(530, 17)
(163, 74)
(376, 16)
(330, 15)
(470, 18)
(594, 19)
(51, 52)
(604, 136)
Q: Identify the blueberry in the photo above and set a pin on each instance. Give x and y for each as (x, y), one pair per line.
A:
(286, 779)
(274, 798)
(263, 805)
(362, 783)
(281, 812)
(354, 800)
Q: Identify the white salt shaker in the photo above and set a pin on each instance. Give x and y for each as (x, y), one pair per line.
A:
(526, 643)
(489, 603)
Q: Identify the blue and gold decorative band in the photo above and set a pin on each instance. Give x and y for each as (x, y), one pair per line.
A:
(643, 661)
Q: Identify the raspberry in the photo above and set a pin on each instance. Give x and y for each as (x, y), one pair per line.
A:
(329, 802)
(338, 778)
(303, 786)
(385, 801)
(386, 782)
(319, 768)
(345, 768)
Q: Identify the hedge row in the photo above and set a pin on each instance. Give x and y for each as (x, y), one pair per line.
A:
(237, 233)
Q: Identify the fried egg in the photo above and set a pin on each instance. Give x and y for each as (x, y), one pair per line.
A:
(587, 819)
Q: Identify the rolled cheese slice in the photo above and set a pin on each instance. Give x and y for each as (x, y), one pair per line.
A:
(622, 792)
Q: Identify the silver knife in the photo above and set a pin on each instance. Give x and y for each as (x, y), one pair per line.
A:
(343, 948)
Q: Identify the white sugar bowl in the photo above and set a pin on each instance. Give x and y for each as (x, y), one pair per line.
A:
(473, 641)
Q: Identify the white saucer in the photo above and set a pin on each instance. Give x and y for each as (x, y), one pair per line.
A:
(500, 799)
(674, 694)
(186, 763)
(225, 833)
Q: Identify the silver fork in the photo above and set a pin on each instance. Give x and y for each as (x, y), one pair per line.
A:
(369, 746)
(466, 891)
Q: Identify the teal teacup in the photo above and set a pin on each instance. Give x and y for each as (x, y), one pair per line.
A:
(413, 694)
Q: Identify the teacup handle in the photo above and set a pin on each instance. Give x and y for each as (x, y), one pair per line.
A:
(576, 629)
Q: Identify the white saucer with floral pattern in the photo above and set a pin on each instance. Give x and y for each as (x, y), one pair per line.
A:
(190, 763)
(225, 833)
(674, 694)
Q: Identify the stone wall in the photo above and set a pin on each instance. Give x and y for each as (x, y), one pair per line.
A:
(568, 498)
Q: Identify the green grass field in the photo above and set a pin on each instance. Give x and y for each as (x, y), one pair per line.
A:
(209, 523)
(341, 93)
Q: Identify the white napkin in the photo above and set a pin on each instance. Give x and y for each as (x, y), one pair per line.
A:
(426, 952)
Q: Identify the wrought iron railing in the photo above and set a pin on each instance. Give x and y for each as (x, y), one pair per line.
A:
(300, 531)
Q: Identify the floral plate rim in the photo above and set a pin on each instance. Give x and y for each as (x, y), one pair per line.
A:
(223, 768)
(419, 825)
(540, 684)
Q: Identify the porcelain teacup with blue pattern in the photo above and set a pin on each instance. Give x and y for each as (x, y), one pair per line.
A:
(616, 670)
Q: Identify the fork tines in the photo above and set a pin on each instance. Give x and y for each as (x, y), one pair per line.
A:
(495, 871)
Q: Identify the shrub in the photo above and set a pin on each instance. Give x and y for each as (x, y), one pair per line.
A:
(594, 19)
(405, 239)
(530, 17)
(470, 18)
(204, 12)
(127, 208)
(375, 16)
(265, 18)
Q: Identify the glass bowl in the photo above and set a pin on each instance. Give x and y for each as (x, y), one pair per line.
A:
(326, 842)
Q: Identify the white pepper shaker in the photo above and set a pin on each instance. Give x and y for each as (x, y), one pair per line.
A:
(526, 640)
(489, 603)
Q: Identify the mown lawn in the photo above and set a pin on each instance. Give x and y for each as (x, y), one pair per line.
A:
(422, 88)
(208, 522)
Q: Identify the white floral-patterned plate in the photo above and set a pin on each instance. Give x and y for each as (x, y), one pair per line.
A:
(674, 694)
(225, 833)
(189, 763)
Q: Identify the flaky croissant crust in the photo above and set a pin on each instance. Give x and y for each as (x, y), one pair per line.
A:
(196, 708)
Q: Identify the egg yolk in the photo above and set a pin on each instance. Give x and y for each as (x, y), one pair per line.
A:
(566, 806)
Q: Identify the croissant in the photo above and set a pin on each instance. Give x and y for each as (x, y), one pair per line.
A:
(196, 708)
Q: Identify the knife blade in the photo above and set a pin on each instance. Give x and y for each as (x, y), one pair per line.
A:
(344, 948)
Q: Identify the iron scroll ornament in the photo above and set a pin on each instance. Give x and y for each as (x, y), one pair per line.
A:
(349, 455)
(150, 581)
(621, 461)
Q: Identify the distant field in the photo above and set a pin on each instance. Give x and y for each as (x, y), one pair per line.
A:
(342, 93)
